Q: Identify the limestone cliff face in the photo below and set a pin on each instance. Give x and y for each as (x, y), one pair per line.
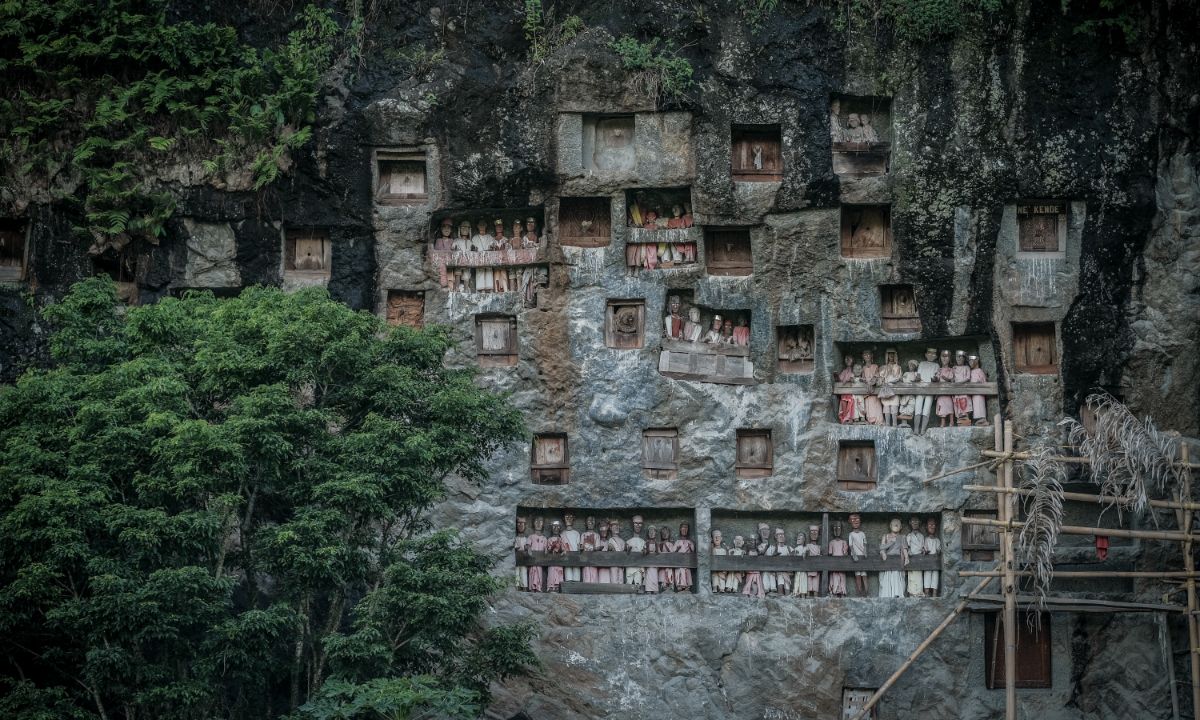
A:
(1021, 108)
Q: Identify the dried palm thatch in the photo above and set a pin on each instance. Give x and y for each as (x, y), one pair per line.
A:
(1043, 513)
(1129, 458)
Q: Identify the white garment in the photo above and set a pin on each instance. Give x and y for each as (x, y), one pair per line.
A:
(571, 540)
(635, 575)
(933, 546)
(916, 546)
(858, 547)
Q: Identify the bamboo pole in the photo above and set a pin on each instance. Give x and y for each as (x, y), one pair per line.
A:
(1170, 535)
(1087, 497)
(912, 657)
(1010, 583)
(1164, 641)
(1184, 518)
(1001, 455)
(956, 471)
(1087, 573)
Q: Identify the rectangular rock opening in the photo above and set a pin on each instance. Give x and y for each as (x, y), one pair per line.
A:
(1042, 229)
(728, 251)
(406, 307)
(609, 143)
(660, 453)
(854, 700)
(585, 221)
(120, 264)
(861, 132)
(400, 177)
(866, 231)
(856, 465)
(307, 253)
(496, 340)
(898, 309)
(12, 250)
(795, 348)
(755, 453)
(625, 324)
(549, 463)
(490, 250)
(705, 344)
(756, 153)
(1035, 348)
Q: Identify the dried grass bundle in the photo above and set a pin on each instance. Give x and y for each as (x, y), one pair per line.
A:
(1043, 514)
(1130, 458)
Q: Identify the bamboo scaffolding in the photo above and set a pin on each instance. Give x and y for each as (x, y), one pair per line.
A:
(1184, 519)
(912, 657)
(1008, 455)
(956, 471)
(1087, 497)
(1171, 535)
(1087, 573)
(1010, 582)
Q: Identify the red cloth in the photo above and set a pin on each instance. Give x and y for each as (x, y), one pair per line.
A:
(1102, 547)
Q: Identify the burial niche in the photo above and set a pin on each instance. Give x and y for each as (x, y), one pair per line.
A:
(490, 251)
(755, 453)
(1035, 348)
(608, 144)
(307, 253)
(120, 264)
(1041, 228)
(980, 542)
(705, 344)
(496, 340)
(860, 128)
(856, 465)
(660, 453)
(756, 154)
(400, 177)
(12, 250)
(406, 307)
(727, 251)
(795, 348)
(549, 463)
(898, 309)
(584, 221)
(866, 231)
(1033, 650)
(854, 700)
(659, 233)
(605, 551)
(624, 324)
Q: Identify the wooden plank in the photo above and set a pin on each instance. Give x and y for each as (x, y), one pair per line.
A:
(718, 379)
(605, 559)
(697, 348)
(870, 563)
(585, 588)
(989, 388)
(992, 602)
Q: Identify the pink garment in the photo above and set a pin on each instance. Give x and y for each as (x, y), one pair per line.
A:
(847, 407)
(741, 336)
(838, 547)
(683, 576)
(945, 403)
(650, 256)
(617, 574)
(633, 255)
(554, 577)
(590, 574)
(753, 586)
(537, 577)
(978, 402)
(872, 408)
(962, 403)
(814, 578)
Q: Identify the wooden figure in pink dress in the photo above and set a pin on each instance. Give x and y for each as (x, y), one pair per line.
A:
(847, 406)
(555, 546)
(733, 579)
(978, 403)
(666, 575)
(683, 576)
(521, 544)
(945, 403)
(753, 586)
(962, 403)
(615, 544)
(872, 407)
(838, 547)
(537, 543)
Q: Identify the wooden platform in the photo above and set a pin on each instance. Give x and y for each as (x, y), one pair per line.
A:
(605, 559)
(918, 389)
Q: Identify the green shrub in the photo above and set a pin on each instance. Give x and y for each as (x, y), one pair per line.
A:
(666, 74)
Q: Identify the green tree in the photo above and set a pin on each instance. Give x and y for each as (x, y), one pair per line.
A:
(214, 508)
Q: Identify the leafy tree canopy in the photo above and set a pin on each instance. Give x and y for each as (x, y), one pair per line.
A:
(213, 508)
